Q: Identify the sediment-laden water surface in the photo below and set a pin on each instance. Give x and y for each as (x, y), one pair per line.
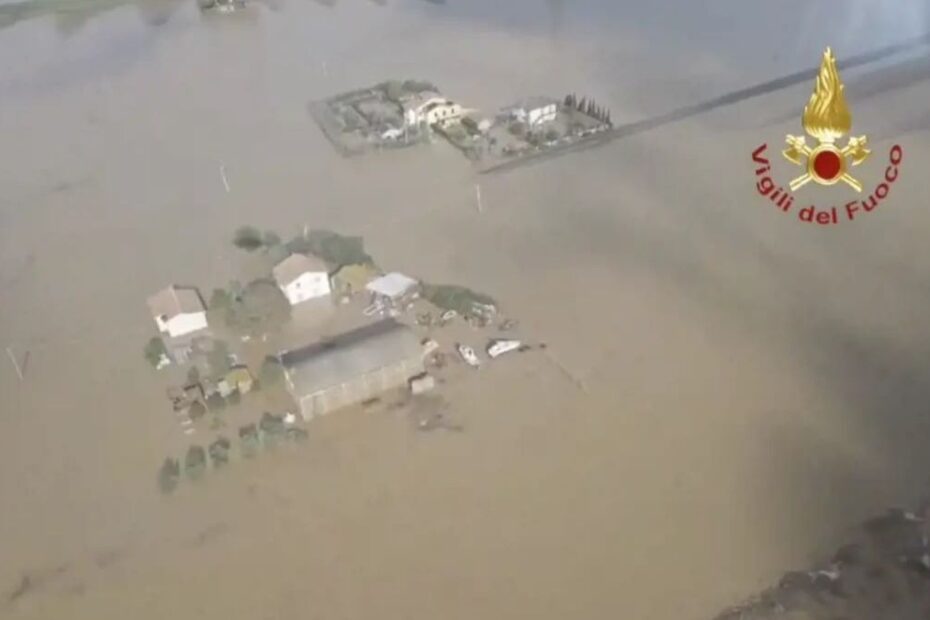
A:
(726, 390)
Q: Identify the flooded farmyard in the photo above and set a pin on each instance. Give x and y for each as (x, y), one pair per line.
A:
(724, 393)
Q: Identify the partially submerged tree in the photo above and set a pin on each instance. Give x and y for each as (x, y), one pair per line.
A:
(155, 351)
(248, 238)
(169, 475)
(195, 462)
(271, 371)
(248, 440)
(215, 402)
(220, 299)
(197, 410)
(219, 451)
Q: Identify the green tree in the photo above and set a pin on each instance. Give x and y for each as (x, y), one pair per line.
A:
(248, 238)
(216, 402)
(220, 299)
(169, 475)
(393, 90)
(193, 375)
(219, 451)
(154, 350)
(248, 440)
(234, 398)
(195, 462)
(270, 239)
(271, 371)
(197, 410)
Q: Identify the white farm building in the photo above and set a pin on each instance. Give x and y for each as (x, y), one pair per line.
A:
(535, 111)
(301, 278)
(178, 311)
(430, 109)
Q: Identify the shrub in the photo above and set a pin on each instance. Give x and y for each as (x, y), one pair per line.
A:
(154, 350)
(271, 371)
(248, 238)
(197, 410)
(248, 440)
(220, 299)
(169, 475)
(216, 402)
(270, 239)
(219, 451)
(452, 297)
(195, 462)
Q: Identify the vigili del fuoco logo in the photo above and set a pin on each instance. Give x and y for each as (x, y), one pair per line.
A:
(826, 120)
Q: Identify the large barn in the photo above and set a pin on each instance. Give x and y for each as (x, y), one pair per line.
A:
(352, 367)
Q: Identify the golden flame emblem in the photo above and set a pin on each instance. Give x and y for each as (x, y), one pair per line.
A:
(826, 119)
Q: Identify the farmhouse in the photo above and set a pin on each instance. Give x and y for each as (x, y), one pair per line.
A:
(352, 367)
(301, 277)
(178, 311)
(535, 111)
(430, 108)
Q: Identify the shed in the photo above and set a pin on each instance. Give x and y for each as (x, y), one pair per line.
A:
(178, 310)
(393, 287)
(352, 367)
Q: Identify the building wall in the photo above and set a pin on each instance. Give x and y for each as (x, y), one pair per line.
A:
(307, 286)
(183, 324)
(360, 389)
(542, 115)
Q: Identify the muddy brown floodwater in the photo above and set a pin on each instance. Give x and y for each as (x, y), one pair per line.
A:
(726, 390)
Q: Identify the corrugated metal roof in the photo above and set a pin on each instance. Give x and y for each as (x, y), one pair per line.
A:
(349, 356)
(392, 285)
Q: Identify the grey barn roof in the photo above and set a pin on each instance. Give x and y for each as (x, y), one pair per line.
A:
(349, 356)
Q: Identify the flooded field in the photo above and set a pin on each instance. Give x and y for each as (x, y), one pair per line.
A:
(726, 390)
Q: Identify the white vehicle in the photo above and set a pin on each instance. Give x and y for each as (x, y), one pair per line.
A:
(448, 315)
(496, 348)
(468, 354)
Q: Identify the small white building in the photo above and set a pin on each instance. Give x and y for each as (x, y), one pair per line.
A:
(178, 311)
(301, 278)
(393, 289)
(535, 111)
(429, 109)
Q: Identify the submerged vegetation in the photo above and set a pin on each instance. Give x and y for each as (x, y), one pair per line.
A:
(452, 297)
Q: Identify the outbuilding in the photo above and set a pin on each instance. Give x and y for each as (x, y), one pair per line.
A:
(301, 278)
(178, 311)
(353, 367)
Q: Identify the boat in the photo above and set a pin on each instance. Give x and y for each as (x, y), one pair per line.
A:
(498, 347)
(468, 355)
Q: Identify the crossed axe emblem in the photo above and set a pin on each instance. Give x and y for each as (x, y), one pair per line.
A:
(797, 152)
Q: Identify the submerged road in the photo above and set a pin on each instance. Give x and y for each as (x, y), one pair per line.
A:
(630, 129)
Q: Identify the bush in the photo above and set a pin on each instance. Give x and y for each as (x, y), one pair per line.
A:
(196, 410)
(270, 239)
(220, 299)
(248, 238)
(216, 402)
(271, 371)
(248, 440)
(169, 475)
(154, 350)
(334, 248)
(452, 297)
(219, 451)
(195, 462)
